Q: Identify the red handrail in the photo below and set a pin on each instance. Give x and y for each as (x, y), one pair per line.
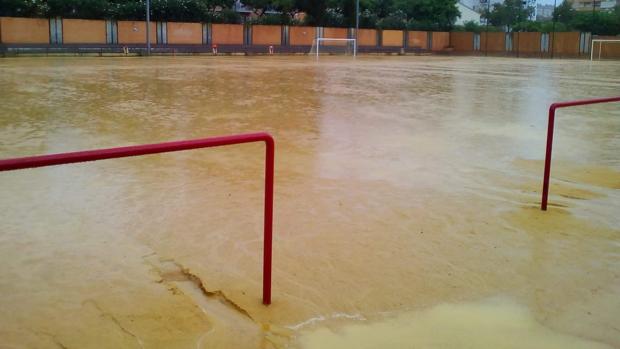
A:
(552, 108)
(167, 147)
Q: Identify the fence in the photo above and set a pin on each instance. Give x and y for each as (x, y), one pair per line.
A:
(146, 149)
(550, 129)
(76, 34)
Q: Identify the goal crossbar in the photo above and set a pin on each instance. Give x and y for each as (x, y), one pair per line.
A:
(600, 46)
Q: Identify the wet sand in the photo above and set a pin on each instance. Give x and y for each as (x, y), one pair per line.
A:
(406, 204)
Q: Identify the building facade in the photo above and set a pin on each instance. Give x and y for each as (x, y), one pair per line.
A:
(482, 5)
(544, 12)
(468, 14)
(596, 5)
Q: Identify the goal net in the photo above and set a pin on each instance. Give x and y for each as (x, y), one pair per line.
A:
(605, 48)
(329, 46)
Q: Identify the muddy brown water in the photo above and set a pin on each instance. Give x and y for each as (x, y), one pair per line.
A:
(406, 204)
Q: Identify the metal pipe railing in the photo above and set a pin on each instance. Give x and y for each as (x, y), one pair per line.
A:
(167, 147)
(550, 126)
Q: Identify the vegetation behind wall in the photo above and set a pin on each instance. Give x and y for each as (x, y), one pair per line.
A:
(430, 15)
(386, 14)
(513, 15)
(217, 11)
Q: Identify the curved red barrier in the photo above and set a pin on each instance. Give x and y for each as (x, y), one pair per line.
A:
(167, 147)
(552, 108)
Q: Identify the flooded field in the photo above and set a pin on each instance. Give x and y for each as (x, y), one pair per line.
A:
(406, 211)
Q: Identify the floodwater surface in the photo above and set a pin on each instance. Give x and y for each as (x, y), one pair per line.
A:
(406, 209)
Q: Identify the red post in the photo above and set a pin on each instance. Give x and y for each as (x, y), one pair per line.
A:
(550, 127)
(167, 147)
(268, 221)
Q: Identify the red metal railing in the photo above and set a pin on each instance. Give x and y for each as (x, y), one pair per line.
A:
(167, 147)
(554, 106)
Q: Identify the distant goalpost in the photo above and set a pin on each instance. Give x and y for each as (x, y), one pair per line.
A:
(600, 46)
(333, 46)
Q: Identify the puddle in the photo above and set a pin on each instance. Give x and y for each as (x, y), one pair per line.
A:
(395, 190)
(495, 323)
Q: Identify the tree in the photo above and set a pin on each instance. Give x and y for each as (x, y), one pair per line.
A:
(509, 13)
(259, 6)
(416, 14)
(368, 19)
(602, 23)
(127, 10)
(395, 20)
(469, 26)
(20, 8)
(227, 15)
(380, 8)
(340, 13)
(565, 13)
(284, 11)
(386, 14)
(429, 14)
(180, 10)
(315, 10)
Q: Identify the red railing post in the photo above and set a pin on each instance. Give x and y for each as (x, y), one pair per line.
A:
(268, 221)
(550, 127)
(167, 147)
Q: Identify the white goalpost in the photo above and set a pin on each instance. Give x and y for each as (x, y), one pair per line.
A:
(600, 46)
(333, 46)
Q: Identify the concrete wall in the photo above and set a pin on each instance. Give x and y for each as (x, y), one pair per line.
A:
(418, 39)
(266, 34)
(335, 33)
(77, 31)
(367, 37)
(83, 31)
(15, 30)
(392, 38)
(184, 33)
(526, 42)
(441, 40)
(462, 42)
(301, 36)
(227, 34)
(134, 32)
(565, 43)
(496, 42)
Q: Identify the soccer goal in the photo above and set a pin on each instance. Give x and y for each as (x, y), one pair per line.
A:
(333, 47)
(600, 43)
